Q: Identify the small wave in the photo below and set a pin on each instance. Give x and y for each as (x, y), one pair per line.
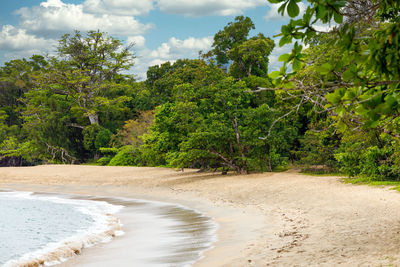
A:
(106, 225)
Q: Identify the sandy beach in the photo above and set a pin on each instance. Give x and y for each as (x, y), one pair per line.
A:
(270, 219)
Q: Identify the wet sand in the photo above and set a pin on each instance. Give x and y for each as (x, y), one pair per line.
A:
(270, 219)
(156, 233)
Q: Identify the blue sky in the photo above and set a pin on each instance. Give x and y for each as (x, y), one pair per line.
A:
(163, 30)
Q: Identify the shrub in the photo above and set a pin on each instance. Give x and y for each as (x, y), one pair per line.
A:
(124, 157)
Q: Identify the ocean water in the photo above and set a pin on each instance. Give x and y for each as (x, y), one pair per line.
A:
(48, 230)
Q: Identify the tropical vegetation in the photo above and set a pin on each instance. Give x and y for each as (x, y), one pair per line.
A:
(333, 106)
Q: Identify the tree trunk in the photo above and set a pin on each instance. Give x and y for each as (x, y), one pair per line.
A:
(269, 162)
(93, 118)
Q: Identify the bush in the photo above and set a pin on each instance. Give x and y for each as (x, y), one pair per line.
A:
(124, 157)
(104, 160)
(368, 160)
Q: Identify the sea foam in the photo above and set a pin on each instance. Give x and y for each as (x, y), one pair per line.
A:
(43, 230)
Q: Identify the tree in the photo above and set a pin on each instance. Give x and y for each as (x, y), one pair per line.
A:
(216, 126)
(245, 56)
(80, 98)
(132, 130)
(251, 57)
(162, 79)
(16, 79)
(86, 69)
(232, 35)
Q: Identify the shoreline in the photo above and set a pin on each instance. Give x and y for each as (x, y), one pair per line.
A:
(104, 225)
(270, 219)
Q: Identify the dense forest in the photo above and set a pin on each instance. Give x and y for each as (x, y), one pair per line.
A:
(333, 106)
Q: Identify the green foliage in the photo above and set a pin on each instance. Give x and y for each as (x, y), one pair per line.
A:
(248, 56)
(232, 35)
(105, 160)
(87, 71)
(363, 79)
(162, 79)
(352, 74)
(103, 138)
(372, 156)
(216, 126)
(318, 146)
(90, 134)
(251, 57)
(124, 157)
(132, 131)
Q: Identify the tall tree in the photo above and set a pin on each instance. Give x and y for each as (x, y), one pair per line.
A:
(232, 35)
(85, 70)
(244, 56)
(251, 57)
(81, 97)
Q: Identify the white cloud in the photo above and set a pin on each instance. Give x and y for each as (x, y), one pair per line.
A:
(208, 7)
(42, 25)
(319, 26)
(175, 48)
(52, 3)
(118, 7)
(170, 51)
(54, 18)
(16, 44)
(14, 39)
(273, 14)
(138, 40)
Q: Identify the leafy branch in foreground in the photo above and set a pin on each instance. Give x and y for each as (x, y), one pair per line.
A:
(354, 71)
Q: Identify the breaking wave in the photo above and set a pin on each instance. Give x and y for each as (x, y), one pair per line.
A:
(59, 227)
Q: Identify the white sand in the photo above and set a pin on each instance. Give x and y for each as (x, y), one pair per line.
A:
(271, 219)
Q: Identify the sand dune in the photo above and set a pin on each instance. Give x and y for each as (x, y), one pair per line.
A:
(271, 219)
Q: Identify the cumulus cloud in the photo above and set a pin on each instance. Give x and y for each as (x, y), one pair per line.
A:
(207, 7)
(42, 25)
(14, 39)
(170, 51)
(176, 48)
(138, 40)
(273, 14)
(17, 43)
(53, 18)
(119, 7)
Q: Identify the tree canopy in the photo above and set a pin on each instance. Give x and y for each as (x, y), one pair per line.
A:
(333, 106)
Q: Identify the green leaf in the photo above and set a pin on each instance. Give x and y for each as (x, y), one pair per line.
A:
(338, 18)
(325, 68)
(285, 40)
(350, 94)
(347, 75)
(288, 85)
(293, 9)
(374, 124)
(284, 57)
(281, 9)
(320, 11)
(389, 106)
(274, 74)
(296, 65)
(334, 98)
(360, 110)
